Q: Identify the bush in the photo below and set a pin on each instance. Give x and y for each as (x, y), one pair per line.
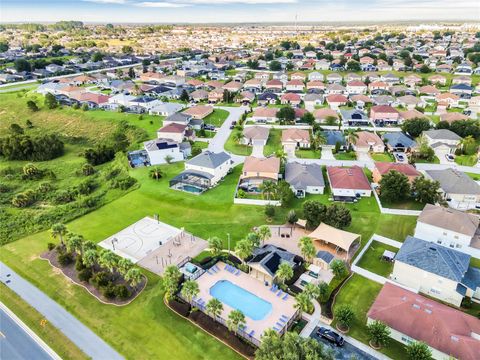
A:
(270, 210)
(108, 291)
(122, 292)
(64, 196)
(85, 275)
(112, 174)
(241, 194)
(79, 266)
(100, 279)
(51, 246)
(123, 183)
(87, 187)
(4, 188)
(99, 155)
(24, 199)
(88, 170)
(37, 148)
(64, 259)
(44, 188)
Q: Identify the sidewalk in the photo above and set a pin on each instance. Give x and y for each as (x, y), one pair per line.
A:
(79, 334)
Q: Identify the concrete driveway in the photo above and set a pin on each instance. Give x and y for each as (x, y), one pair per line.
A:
(327, 154)
(362, 156)
(257, 151)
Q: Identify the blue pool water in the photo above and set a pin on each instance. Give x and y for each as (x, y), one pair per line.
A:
(192, 189)
(240, 299)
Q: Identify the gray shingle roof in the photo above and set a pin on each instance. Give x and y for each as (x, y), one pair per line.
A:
(396, 139)
(209, 159)
(334, 136)
(454, 182)
(434, 258)
(302, 175)
(442, 134)
(270, 257)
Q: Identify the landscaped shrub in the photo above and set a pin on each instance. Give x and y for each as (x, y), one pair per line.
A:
(112, 174)
(87, 187)
(64, 259)
(4, 188)
(270, 210)
(85, 274)
(24, 147)
(24, 199)
(79, 266)
(64, 196)
(100, 279)
(108, 291)
(123, 183)
(99, 155)
(122, 292)
(44, 188)
(88, 170)
(51, 246)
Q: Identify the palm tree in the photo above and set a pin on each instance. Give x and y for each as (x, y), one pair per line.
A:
(318, 139)
(282, 155)
(59, 230)
(88, 245)
(284, 272)
(108, 260)
(268, 188)
(235, 321)
(74, 243)
(171, 275)
(215, 245)
(243, 249)
(214, 308)
(313, 291)
(189, 290)
(156, 173)
(124, 265)
(134, 276)
(254, 239)
(307, 248)
(351, 137)
(237, 137)
(303, 303)
(264, 233)
(90, 257)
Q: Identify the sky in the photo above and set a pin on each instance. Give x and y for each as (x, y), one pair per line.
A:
(221, 11)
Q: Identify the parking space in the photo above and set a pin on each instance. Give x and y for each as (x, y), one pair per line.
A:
(346, 352)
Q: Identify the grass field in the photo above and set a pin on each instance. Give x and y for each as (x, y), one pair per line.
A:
(308, 154)
(404, 205)
(372, 259)
(385, 157)
(235, 148)
(346, 155)
(360, 293)
(33, 319)
(274, 142)
(216, 118)
(466, 160)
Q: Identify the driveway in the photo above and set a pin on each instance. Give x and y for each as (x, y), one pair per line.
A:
(362, 156)
(327, 154)
(257, 151)
(346, 352)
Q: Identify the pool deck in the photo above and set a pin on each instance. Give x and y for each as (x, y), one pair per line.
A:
(279, 307)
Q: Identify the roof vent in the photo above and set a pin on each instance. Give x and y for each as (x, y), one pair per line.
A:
(454, 338)
(428, 311)
(416, 306)
(432, 248)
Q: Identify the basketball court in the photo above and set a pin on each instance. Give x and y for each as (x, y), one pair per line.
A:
(154, 245)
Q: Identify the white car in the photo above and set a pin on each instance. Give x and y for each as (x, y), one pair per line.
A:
(450, 157)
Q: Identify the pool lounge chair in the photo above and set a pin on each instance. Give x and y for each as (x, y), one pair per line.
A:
(285, 317)
(280, 293)
(280, 325)
(213, 270)
(251, 333)
(208, 272)
(285, 297)
(283, 321)
(226, 267)
(274, 288)
(237, 272)
(215, 267)
(277, 330)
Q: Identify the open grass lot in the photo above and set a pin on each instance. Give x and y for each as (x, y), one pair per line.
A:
(372, 259)
(308, 154)
(48, 333)
(235, 148)
(360, 293)
(345, 155)
(466, 160)
(217, 117)
(385, 157)
(404, 205)
(274, 142)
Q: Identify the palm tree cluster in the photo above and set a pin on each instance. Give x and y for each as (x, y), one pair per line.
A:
(102, 268)
(244, 248)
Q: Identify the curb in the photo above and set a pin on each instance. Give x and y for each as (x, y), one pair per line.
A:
(30, 332)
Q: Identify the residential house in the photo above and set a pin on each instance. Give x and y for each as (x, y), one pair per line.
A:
(267, 98)
(265, 115)
(334, 78)
(199, 95)
(199, 111)
(315, 76)
(216, 95)
(202, 172)
(161, 150)
(443, 141)
(275, 86)
(450, 117)
(166, 109)
(356, 87)
(435, 270)
(266, 260)
(322, 115)
(410, 317)
(348, 183)
(335, 101)
(290, 99)
(316, 86)
(457, 188)
(333, 138)
(450, 227)
(295, 139)
(174, 131)
(399, 142)
(304, 178)
(368, 142)
(312, 100)
(384, 114)
(382, 168)
(410, 102)
(354, 117)
(177, 118)
(258, 170)
(255, 135)
(295, 86)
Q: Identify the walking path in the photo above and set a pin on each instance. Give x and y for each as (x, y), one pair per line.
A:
(78, 333)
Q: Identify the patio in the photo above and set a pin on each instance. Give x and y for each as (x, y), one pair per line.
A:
(282, 306)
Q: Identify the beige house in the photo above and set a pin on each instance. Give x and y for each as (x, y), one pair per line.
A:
(261, 168)
(368, 142)
(295, 138)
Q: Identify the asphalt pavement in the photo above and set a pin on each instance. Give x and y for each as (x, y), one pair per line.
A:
(16, 343)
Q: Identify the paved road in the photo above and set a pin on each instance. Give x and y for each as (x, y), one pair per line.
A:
(17, 344)
(217, 144)
(79, 334)
(346, 352)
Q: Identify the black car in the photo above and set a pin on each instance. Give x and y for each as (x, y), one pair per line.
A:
(331, 336)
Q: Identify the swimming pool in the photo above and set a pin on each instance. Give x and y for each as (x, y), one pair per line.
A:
(240, 299)
(192, 189)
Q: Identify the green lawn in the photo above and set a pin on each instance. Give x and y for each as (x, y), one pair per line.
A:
(473, 175)
(200, 144)
(423, 161)
(274, 142)
(346, 155)
(308, 154)
(403, 205)
(360, 293)
(466, 160)
(217, 117)
(372, 259)
(33, 319)
(237, 149)
(385, 157)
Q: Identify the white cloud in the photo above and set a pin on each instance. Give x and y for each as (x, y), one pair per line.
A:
(107, 1)
(155, 4)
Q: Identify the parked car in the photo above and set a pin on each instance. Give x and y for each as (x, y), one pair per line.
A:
(400, 157)
(331, 336)
(209, 127)
(450, 157)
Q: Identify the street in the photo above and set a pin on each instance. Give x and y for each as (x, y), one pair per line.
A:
(16, 343)
(346, 352)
